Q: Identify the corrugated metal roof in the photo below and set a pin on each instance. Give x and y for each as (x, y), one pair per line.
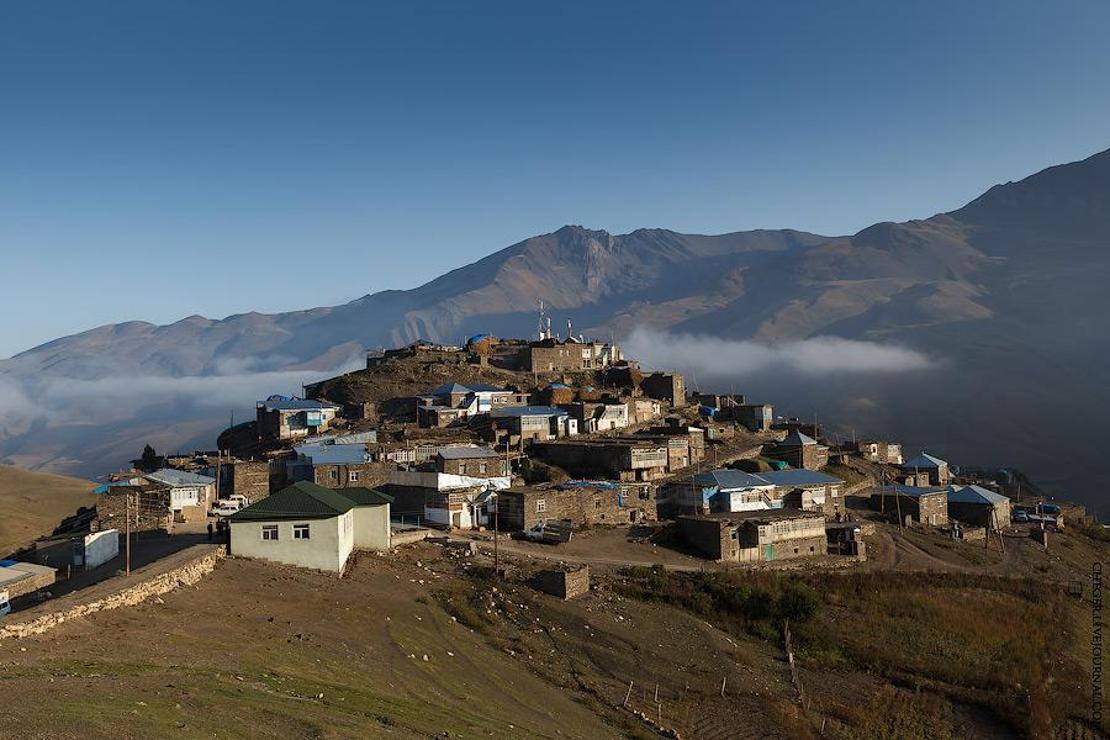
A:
(333, 454)
(923, 460)
(365, 496)
(297, 404)
(974, 495)
(727, 479)
(797, 439)
(799, 477)
(302, 500)
(912, 491)
(174, 477)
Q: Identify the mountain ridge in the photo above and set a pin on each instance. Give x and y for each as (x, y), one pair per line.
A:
(1010, 280)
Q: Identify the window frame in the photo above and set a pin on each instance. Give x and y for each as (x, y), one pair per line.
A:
(270, 529)
(302, 531)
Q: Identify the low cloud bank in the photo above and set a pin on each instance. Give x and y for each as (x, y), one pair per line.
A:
(57, 399)
(713, 358)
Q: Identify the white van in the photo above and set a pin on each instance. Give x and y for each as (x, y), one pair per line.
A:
(5, 604)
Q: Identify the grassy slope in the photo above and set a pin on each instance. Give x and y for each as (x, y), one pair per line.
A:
(33, 503)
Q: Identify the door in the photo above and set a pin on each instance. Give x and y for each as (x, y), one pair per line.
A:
(768, 552)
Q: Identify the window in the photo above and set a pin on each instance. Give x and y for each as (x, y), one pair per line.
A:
(269, 532)
(300, 531)
(462, 468)
(352, 476)
(333, 475)
(541, 506)
(482, 468)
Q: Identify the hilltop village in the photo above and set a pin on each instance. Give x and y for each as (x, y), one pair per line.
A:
(540, 440)
(599, 525)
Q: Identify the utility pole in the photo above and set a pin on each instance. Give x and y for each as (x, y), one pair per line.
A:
(127, 527)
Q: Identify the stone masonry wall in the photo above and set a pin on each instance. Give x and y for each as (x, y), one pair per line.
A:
(72, 607)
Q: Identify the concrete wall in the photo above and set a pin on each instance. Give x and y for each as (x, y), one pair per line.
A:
(371, 527)
(329, 545)
(100, 547)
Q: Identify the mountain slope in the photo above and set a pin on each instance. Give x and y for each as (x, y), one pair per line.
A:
(1005, 292)
(32, 504)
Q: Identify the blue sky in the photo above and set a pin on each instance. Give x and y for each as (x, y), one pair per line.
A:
(161, 159)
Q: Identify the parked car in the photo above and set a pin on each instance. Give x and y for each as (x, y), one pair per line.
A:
(5, 604)
(1020, 516)
(552, 532)
(1047, 508)
(230, 505)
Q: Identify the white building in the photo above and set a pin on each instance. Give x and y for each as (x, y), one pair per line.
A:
(186, 489)
(304, 524)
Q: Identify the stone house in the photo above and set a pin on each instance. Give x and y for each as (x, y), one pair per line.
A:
(303, 524)
(757, 536)
(720, 491)
(598, 416)
(454, 402)
(249, 478)
(934, 467)
(558, 355)
(478, 462)
(669, 387)
(189, 492)
(584, 503)
(521, 424)
(281, 418)
(334, 466)
(979, 506)
(928, 505)
(627, 459)
(880, 451)
(801, 451)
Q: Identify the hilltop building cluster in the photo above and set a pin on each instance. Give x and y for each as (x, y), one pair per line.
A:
(539, 438)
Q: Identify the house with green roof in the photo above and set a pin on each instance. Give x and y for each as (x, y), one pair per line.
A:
(310, 526)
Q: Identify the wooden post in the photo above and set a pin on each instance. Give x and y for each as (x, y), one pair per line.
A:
(724, 680)
(656, 693)
(127, 517)
(628, 694)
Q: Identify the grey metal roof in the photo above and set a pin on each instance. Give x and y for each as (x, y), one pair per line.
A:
(467, 453)
(726, 479)
(923, 460)
(797, 439)
(173, 477)
(912, 491)
(511, 411)
(333, 454)
(799, 477)
(297, 404)
(974, 495)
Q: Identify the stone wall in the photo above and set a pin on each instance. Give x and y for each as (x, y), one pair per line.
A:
(565, 584)
(146, 583)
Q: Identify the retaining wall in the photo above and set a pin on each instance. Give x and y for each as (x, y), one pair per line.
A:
(153, 580)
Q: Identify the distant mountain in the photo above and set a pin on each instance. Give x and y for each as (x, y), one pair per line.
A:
(1007, 291)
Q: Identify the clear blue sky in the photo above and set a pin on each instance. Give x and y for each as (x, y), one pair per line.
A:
(160, 159)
